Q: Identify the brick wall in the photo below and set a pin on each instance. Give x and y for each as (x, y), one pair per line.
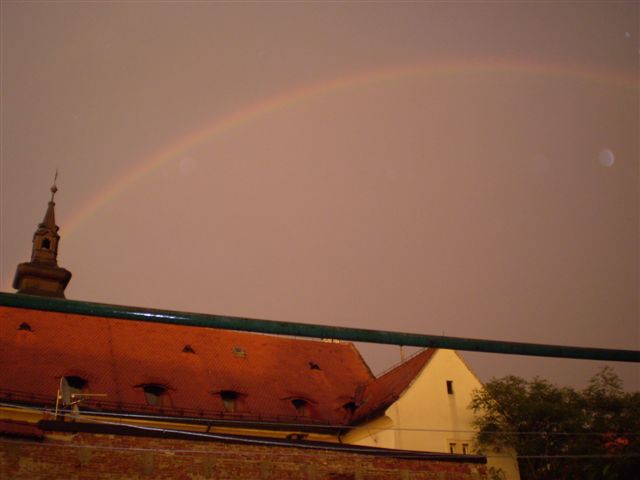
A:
(90, 456)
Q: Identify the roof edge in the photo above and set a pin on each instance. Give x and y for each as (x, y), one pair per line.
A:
(314, 330)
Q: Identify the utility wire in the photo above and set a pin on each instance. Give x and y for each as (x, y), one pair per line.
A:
(232, 423)
(260, 442)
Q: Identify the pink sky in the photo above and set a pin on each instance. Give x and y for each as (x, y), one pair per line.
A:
(466, 168)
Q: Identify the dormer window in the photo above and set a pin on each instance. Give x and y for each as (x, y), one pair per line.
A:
(350, 407)
(154, 394)
(70, 386)
(229, 400)
(302, 406)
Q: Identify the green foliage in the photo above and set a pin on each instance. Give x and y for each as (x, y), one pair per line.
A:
(494, 473)
(560, 432)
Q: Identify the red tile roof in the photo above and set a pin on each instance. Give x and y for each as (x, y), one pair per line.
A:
(117, 357)
(381, 392)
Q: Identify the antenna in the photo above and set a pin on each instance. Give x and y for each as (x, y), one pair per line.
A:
(75, 398)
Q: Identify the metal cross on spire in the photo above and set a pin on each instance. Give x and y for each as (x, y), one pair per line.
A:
(54, 187)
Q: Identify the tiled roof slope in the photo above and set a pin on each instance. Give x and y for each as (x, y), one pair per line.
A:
(381, 392)
(117, 357)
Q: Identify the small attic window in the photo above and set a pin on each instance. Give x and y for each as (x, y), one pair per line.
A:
(301, 406)
(25, 326)
(188, 349)
(46, 244)
(450, 387)
(239, 352)
(229, 399)
(314, 366)
(70, 386)
(154, 394)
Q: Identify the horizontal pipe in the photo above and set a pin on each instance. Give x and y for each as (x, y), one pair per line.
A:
(315, 331)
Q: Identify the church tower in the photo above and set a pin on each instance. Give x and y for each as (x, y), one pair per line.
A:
(42, 276)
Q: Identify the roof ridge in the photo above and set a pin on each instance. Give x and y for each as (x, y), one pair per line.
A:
(393, 368)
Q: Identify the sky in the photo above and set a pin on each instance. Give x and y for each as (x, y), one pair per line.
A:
(459, 168)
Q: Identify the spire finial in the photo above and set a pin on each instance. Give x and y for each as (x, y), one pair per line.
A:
(54, 187)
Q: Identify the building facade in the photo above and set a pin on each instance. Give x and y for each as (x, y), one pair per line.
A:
(423, 404)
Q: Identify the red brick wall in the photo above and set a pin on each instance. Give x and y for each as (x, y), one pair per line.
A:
(89, 456)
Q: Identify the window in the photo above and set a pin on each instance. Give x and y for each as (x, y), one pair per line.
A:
(71, 386)
(229, 400)
(154, 394)
(46, 244)
(465, 448)
(301, 406)
(450, 387)
(452, 448)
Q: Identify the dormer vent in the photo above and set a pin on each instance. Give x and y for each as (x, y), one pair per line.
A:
(239, 352)
(25, 326)
(188, 349)
(314, 366)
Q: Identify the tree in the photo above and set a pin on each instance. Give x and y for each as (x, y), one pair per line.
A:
(560, 432)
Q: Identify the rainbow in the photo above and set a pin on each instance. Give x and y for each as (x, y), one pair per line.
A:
(286, 99)
(357, 80)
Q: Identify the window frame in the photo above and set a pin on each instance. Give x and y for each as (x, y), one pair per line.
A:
(450, 390)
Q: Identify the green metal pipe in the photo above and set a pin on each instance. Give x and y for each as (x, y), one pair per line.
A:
(315, 331)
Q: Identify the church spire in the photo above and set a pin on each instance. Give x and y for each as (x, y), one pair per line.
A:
(42, 276)
(50, 216)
